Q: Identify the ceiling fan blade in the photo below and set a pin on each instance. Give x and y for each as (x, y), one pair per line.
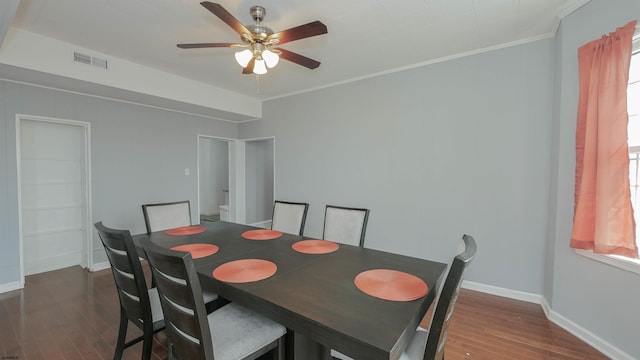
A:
(249, 68)
(226, 16)
(207, 45)
(298, 59)
(300, 32)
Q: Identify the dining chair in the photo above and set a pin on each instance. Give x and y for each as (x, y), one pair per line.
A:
(289, 217)
(163, 216)
(138, 304)
(345, 225)
(230, 333)
(429, 344)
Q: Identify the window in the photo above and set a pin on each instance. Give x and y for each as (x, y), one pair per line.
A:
(633, 130)
(633, 109)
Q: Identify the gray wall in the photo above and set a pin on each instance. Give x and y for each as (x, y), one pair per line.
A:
(259, 180)
(138, 155)
(437, 151)
(595, 296)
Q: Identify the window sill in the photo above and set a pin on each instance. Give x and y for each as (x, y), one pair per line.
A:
(621, 262)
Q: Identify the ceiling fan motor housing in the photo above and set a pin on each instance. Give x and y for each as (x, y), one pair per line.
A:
(259, 31)
(258, 13)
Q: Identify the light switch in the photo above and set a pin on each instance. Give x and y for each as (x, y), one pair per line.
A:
(187, 172)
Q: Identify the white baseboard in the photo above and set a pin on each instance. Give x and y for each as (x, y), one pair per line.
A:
(100, 266)
(210, 214)
(262, 224)
(50, 263)
(16, 285)
(508, 293)
(587, 336)
(568, 325)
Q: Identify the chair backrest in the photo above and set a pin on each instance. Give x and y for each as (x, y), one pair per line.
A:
(127, 273)
(163, 216)
(182, 302)
(447, 300)
(345, 225)
(289, 217)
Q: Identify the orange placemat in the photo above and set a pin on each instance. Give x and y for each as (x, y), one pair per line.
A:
(197, 250)
(186, 230)
(261, 234)
(315, 246)
(391, 285)
(245, 270)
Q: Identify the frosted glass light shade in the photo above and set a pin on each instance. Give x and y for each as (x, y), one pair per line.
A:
(270, 58)
(259, 67)
(243, 57)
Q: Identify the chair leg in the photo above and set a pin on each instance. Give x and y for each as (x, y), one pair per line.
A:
(279, 350)
(147, 342)
(122, 335)
(170, 351)
(289, 342)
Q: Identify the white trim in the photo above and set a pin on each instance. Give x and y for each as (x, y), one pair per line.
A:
(229, 141)
(11, 286)
(273, 191)
(583, 334)
(612, 260)
(262, 224)
(587, 336)
(100, 266)
(420, 64)
(569, 9)
(546, 307)
(86, 261)
(503, 292)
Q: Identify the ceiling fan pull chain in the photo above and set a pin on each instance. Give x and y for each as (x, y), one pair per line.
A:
(257, 84)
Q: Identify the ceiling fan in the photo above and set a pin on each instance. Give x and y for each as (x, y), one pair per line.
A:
(260, 41)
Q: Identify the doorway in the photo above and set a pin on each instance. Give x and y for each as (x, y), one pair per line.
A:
(213, 178)
(260, 180)
(53, 197)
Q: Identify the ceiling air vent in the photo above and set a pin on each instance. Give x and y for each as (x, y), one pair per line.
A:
(89, 60)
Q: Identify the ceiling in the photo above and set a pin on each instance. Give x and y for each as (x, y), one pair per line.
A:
(365, 37)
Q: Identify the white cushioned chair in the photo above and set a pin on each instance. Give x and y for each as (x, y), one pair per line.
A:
(346, 225)
(289, 217)
(163, 216)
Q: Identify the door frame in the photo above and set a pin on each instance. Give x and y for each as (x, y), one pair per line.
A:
(230, 172)
(86, 260)
(243, 143)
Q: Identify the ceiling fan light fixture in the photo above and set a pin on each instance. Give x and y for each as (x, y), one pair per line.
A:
(270, 58)
(258, 40)
(243, 57)
(259, 67)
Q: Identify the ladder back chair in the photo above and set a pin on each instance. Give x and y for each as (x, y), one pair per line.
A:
(232, 332)
(429, 344)
(164, 216)
(138, 304)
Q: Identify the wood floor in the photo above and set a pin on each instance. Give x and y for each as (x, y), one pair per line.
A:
(73, 314)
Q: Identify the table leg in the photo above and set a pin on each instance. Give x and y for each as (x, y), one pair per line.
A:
(307, 349)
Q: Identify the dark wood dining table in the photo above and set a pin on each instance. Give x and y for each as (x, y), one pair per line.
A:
(314, 295)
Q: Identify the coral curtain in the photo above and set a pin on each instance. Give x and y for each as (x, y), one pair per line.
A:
(603, 215)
